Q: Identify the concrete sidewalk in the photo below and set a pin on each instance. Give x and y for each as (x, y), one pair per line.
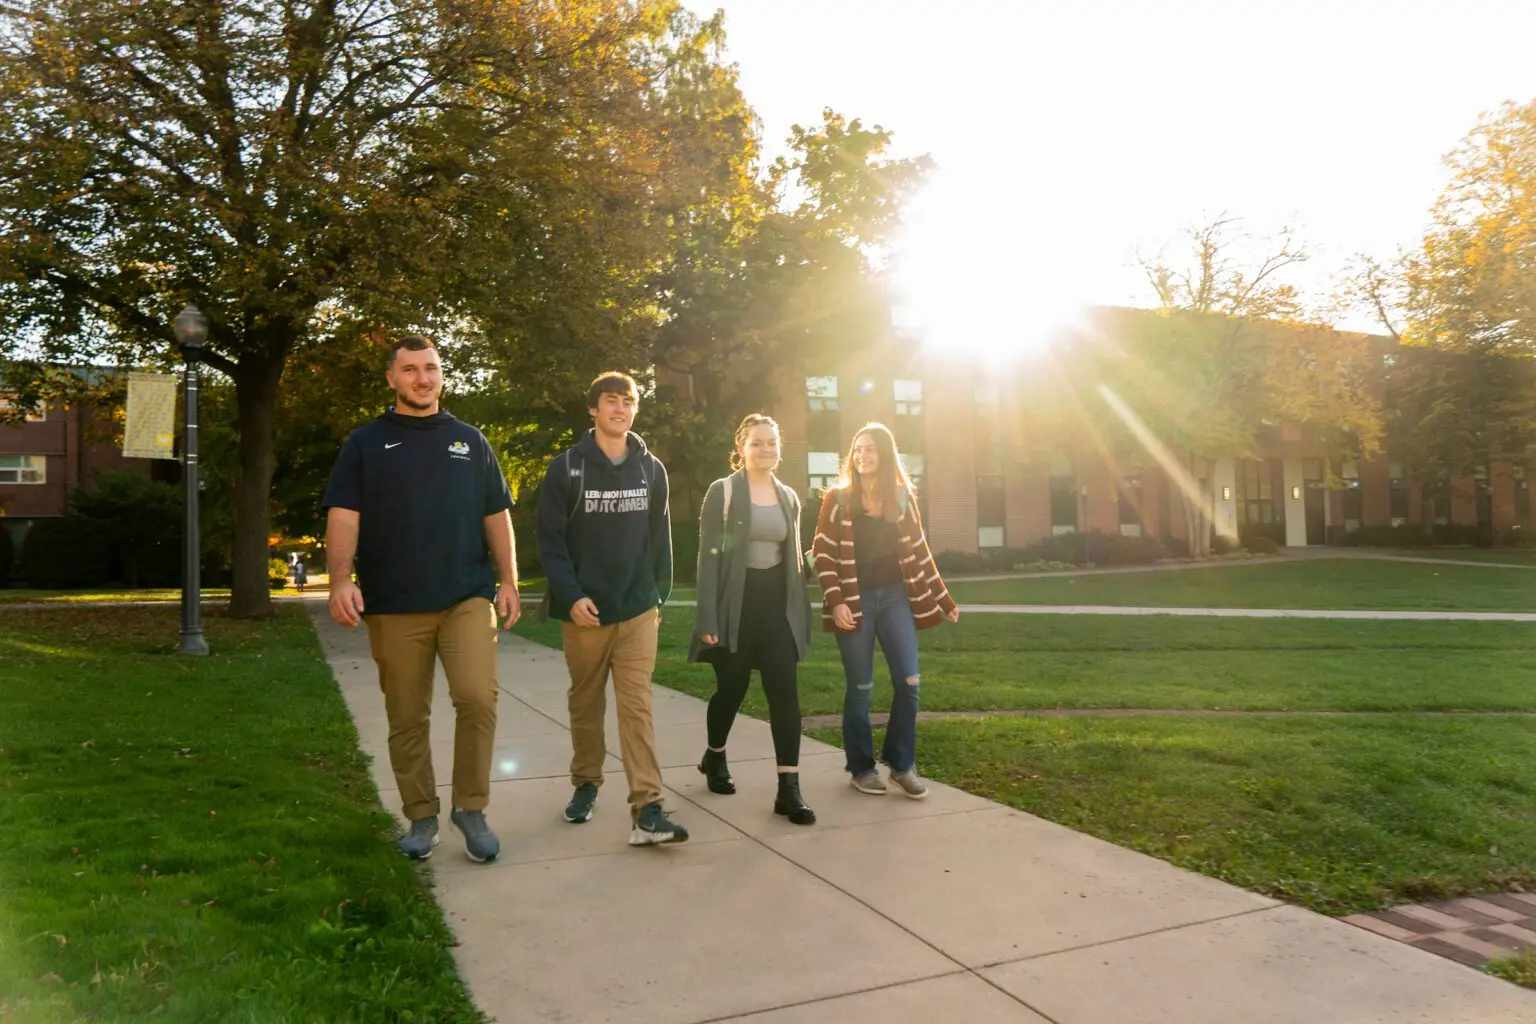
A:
(952, 909)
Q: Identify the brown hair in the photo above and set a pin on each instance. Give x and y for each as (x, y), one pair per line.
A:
(612, 382)
(411, 343)
(755, 419)
(891, 480)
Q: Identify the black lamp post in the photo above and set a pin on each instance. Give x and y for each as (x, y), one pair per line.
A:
(191, 331)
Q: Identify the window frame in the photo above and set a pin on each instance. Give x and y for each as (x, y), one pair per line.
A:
(36, 465)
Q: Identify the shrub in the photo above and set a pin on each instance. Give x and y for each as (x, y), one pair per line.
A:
(277, 573)
(66, 553)
(1223, 545)
(1262, 545)
(1405, 536)
(1096, 546)
(140, 521)
(7, 555)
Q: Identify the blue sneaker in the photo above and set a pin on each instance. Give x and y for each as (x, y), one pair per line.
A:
(480, 843)
(418, 842)
(580, 807)
(654, 826)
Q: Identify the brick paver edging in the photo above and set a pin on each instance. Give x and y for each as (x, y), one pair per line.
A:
(1471, 930)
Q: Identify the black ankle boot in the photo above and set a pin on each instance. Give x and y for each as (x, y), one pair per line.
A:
(717, 773)
(789, 802)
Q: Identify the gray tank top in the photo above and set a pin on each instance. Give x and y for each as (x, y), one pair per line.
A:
(765, 539)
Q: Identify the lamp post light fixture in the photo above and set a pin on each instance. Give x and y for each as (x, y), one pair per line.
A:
(191, 328)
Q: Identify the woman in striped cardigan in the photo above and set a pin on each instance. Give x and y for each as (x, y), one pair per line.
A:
(880, 583)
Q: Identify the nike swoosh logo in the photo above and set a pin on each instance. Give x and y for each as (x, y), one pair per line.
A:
(397, 444)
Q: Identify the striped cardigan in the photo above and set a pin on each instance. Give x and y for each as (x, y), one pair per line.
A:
(836, 566)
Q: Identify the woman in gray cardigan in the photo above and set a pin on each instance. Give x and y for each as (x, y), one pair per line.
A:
(753, 610)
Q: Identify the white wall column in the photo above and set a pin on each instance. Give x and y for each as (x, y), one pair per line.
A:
(1295, 505)
(1224, 498)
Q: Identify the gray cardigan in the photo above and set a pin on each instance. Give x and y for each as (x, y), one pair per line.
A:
(723, 566)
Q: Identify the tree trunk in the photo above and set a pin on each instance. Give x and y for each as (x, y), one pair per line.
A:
(256, 403)
(1196, 522)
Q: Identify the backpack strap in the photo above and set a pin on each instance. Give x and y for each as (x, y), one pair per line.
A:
(580, 473)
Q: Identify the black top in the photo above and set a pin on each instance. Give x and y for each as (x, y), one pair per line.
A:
(605, 532)
(874, 552)
(423, 487)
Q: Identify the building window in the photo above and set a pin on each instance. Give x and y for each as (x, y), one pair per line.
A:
(23, 469)
(37, 415)
(1259, 481)
(1063, 497)
(822, 470)
(991, 511)
(1130, 505)
(822, 393)
(913, 464)
(909, 398)
(1349, 472)
(1398, 474)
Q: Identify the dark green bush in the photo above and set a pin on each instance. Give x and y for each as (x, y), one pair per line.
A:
(7, 555)
(65, 554)
(140, 520)
(1262, 545)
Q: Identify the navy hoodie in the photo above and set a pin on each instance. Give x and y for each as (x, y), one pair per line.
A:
(605, 531)
(422, 487)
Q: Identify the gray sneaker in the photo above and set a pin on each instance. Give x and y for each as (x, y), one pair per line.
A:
(869, 782)
(480, 843)
(418, 842)
(910, 784)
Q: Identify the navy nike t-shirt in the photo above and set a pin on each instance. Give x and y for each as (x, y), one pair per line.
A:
(422, 487)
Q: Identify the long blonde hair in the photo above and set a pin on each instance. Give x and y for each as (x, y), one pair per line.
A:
(748, 422)
(891, 481)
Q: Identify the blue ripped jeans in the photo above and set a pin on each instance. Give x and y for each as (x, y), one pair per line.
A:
(888, 618)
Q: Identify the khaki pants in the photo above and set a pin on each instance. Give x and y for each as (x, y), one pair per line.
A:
(628, 650)
(406, 648)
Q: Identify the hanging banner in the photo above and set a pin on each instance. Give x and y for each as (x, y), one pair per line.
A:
(150, 432)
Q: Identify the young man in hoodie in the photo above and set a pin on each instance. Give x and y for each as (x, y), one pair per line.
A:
(418, 506)
(605, 539)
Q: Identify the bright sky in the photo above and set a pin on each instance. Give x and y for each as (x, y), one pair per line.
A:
(1070, 134)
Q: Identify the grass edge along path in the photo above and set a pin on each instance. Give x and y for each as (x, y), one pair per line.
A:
(199, 839)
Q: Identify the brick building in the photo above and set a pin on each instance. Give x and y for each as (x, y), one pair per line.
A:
(51, 452)
(989, 478)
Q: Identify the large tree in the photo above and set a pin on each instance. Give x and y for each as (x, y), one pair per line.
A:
(1463, 304)
(305, 170)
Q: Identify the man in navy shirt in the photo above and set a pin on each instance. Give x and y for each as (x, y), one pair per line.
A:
(605, 538)
(418, 507)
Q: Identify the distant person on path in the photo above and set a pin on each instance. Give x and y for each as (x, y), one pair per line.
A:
(300, 575)
(753, 612)
(605, 538)
(418, 506)
(880, 583)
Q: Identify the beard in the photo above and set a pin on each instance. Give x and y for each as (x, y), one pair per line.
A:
(409, 398)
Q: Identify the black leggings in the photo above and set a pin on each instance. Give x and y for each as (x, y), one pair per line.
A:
(765, 643)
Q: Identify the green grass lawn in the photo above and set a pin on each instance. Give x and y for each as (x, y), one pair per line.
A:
(1335, 814)
(198, 839)
(1508, 556)
(1333, 583)
(994, 662)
